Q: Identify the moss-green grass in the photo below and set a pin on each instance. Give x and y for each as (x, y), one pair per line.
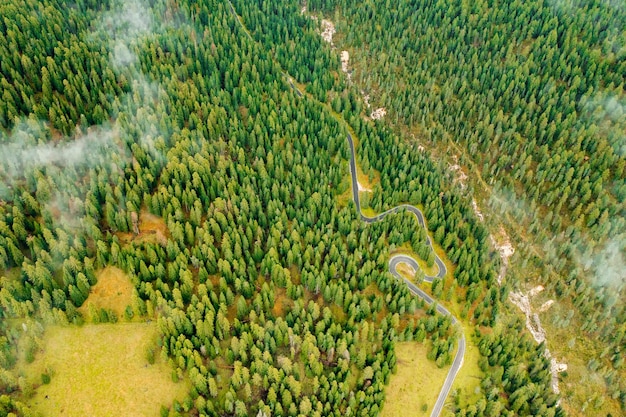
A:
(101, 370)
(467, 382)
(368, 211)
(416, 383)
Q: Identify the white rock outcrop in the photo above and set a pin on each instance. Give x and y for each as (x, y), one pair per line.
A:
(379, 113)
(328, 30)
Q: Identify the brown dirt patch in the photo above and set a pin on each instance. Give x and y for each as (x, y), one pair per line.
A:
(152, 228)
(280, 302)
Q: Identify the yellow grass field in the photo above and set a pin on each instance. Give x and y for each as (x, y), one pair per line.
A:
(417, 382)
(113, 291)
(101, 370)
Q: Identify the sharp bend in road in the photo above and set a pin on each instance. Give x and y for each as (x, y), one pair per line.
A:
(393, 264)
(396, 259)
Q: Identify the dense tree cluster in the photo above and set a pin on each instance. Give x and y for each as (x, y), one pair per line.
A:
(50, 69)
(516, 372)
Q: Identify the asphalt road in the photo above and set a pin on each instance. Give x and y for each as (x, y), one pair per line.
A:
(393, 263)
(298, 92)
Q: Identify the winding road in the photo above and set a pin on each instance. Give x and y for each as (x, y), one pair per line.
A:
(397, 259)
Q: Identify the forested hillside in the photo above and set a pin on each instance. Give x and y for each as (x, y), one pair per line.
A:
(530, 97)
(270, 294)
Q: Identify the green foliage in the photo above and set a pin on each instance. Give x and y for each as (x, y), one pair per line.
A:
(269, 294)
(45, 378)
(514, 369)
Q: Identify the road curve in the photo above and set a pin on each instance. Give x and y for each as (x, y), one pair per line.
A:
(393, 263)
(396, 259)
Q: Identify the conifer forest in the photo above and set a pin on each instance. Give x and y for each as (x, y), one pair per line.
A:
(312, 208)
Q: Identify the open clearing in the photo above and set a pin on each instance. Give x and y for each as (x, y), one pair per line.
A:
(406, 270)
(101, 370)
(152, 229)
(113, 291)
(417, 382)
(468, 379)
